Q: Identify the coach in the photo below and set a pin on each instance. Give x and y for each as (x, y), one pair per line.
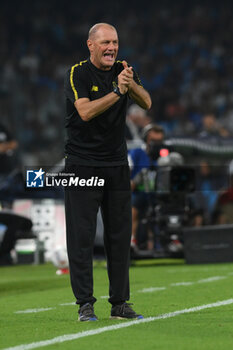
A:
(97, 91)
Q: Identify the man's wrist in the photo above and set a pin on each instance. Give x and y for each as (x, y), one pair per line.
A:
(116, 90)
(131, 85)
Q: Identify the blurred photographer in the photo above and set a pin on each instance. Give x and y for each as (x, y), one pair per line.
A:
(136, 120)
(143, 171)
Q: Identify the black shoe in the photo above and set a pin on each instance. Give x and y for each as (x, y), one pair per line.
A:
(124, 311)
(86, 313)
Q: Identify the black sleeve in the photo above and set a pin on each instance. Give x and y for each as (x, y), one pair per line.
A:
(135, 74)
(136, 78)
(76, 84)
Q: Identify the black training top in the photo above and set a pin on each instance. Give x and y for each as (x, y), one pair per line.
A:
(100, 141)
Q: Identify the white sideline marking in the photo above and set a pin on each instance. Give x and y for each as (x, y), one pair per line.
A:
(177, 284)
(29, 311)
(197, 269)
(68, 337)
(211, 279)
(181, 284)
(144, 290)
(151, 289)
(204, 280)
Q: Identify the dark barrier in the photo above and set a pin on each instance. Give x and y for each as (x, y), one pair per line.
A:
(208, 244)
(202, 147)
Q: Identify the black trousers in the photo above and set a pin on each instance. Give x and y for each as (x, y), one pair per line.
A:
(114, 199)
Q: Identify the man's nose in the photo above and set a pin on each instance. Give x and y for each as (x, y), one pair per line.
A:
(111, 46)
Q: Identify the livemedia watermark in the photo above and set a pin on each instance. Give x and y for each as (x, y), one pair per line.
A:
(38, 178)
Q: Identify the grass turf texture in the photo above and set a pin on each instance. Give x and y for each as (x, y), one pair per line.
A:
(33, 287)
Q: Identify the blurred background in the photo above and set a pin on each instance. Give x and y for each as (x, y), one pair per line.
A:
(183, 54)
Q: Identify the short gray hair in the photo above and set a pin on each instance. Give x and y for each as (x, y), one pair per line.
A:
(94, 29)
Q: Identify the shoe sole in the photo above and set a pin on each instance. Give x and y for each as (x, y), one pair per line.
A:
(125, 318)
(90, 320)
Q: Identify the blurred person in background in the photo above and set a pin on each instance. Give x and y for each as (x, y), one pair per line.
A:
(211, 128)
(223, 213)
(136, 120)
(208, 182)
(141, 160)
(7, 147)
(153, 136)
(8, 165)
(97, 91)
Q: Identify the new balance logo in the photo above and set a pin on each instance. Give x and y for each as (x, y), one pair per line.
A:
(94, 88)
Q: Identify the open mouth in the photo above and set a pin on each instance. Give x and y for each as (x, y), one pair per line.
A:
(109, 56)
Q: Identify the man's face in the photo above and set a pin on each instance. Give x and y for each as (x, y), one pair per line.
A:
(103, 48)
(153, 144)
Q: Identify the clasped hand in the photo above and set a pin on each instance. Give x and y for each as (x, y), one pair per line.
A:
(125, 78)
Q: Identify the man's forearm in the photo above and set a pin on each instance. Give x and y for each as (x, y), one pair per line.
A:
(90, 109)
(140, 95)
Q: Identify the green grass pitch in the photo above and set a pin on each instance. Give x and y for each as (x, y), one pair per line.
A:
(158, 287)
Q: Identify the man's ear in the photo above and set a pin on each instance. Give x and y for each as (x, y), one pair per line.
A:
(89, 45)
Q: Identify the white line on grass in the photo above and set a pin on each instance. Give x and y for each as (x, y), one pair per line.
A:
(212, 279)
(29, 311)
(197, 269)
(178, 284)
(204, 280)
(181, 284)
(144, 290)
(151, 289)
(68, 337)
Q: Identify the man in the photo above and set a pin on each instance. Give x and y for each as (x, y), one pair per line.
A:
(96, 94)
(143, 172)
(136, 120)
(211, 128)
(153, 136)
